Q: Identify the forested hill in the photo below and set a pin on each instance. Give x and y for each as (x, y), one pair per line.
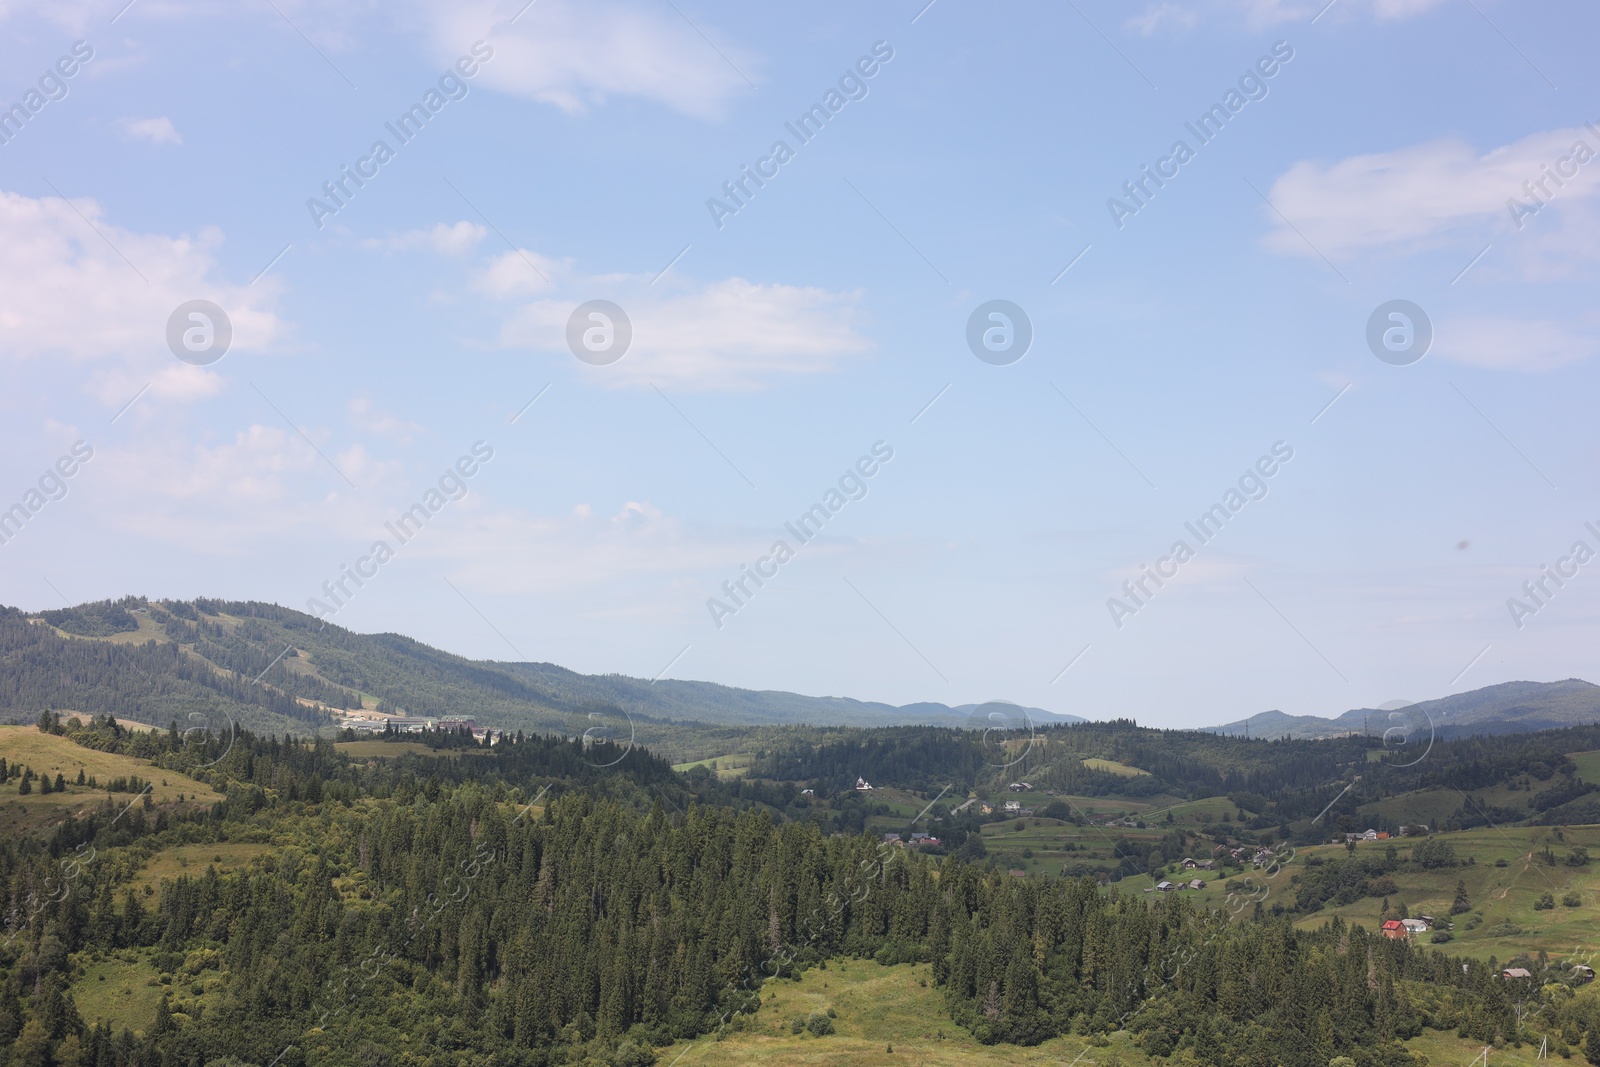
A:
(274, 669)
(537, 903)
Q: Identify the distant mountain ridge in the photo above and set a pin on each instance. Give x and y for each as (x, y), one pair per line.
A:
(1509, 707)
(271, 668)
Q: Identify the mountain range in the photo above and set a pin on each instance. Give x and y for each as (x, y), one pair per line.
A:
(1509, 707)
(274, 669)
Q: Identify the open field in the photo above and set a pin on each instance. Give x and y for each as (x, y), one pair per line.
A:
(1502, 921)
(877, 1007)
(192, 860)
(1113, 768)
(1588, 765)
(52, 755)
(730, 765)
(124, 993)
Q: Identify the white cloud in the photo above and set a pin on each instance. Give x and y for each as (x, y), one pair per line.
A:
(1158, 16)
(156, 131)
(455, 240)
(71, 293)
(522, 272)
(578, 55)
(1415, 197)
(730, 334)
(1511, 344)
(1262, 14)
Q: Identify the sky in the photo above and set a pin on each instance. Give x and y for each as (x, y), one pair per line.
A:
(1177, 360)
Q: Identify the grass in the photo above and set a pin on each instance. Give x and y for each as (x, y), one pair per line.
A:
(1588, 765)
(52, 755)
(1113, 767)
(1498, 895)
(730, 765)
(877, 1007)
(193, 860)
(882, 1006)
(124, 993)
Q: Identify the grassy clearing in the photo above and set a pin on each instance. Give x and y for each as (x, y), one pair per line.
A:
(729, 765)
(1112, 767)
(1430, 807)
(122, 992)
(52, 755)
(192, 860)
(877, 1007)
(1588, 765)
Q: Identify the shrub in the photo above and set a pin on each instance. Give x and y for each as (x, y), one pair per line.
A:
(1544, 903)
(1440, 937)
(796, 1025)
(819, 1024)
(629, 1054)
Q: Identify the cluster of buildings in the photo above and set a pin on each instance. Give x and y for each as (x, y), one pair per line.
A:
(1397, 928)
(1383, 835)
(1167, 887)
(413, 724)
(917, 840)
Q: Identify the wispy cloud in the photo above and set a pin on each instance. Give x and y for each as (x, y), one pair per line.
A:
(156, 131)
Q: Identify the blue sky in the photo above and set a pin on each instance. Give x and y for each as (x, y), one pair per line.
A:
(770, 353)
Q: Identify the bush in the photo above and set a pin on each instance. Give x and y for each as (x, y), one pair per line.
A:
(1440, 937)
(629, 1054)
(796, 1025)
(1544, 903)
(819, 1024)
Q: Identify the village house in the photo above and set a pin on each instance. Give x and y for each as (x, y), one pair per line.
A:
(1012, 807)
(1516, 972)
(863, 786)
(1197, 883)
(1020, 787)
(1395, 928)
